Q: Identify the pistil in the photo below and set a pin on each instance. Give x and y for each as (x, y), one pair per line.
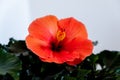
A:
(60, 36)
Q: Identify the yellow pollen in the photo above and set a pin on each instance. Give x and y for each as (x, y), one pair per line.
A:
(60, 35)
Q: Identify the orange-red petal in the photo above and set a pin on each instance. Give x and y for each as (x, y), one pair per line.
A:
(84, 47)
(61, 57)
(75, 62)
(73, 28)
(44, 28)
(39, 47)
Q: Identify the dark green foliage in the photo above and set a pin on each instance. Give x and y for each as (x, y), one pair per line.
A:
(19, 63)
(10, 65)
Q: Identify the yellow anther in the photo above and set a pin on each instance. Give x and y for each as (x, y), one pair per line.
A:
(60, 35)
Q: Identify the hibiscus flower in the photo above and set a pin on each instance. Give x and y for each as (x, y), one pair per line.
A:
(59, 41)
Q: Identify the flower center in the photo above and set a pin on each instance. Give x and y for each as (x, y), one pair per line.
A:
(57, 46)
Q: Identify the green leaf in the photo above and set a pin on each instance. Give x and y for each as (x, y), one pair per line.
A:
(116, 61)
(9, 64)
(69, 78)
(93, 58)
(17, 47)
(118, 78)
(82, 73)
(110, 59)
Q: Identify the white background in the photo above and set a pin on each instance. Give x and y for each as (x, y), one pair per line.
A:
(101, 17)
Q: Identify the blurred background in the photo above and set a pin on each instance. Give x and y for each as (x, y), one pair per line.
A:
(101, 17)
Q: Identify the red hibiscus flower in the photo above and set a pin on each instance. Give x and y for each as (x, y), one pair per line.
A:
(59, 41)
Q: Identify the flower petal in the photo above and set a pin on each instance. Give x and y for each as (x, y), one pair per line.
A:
(83, 46)
(65, 56)
(44, 28)
(73, 28)
(86, 49)
(61, 57)
(39, 47)
(76, 61)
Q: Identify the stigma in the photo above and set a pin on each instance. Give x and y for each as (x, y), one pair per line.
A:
(60, 35)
